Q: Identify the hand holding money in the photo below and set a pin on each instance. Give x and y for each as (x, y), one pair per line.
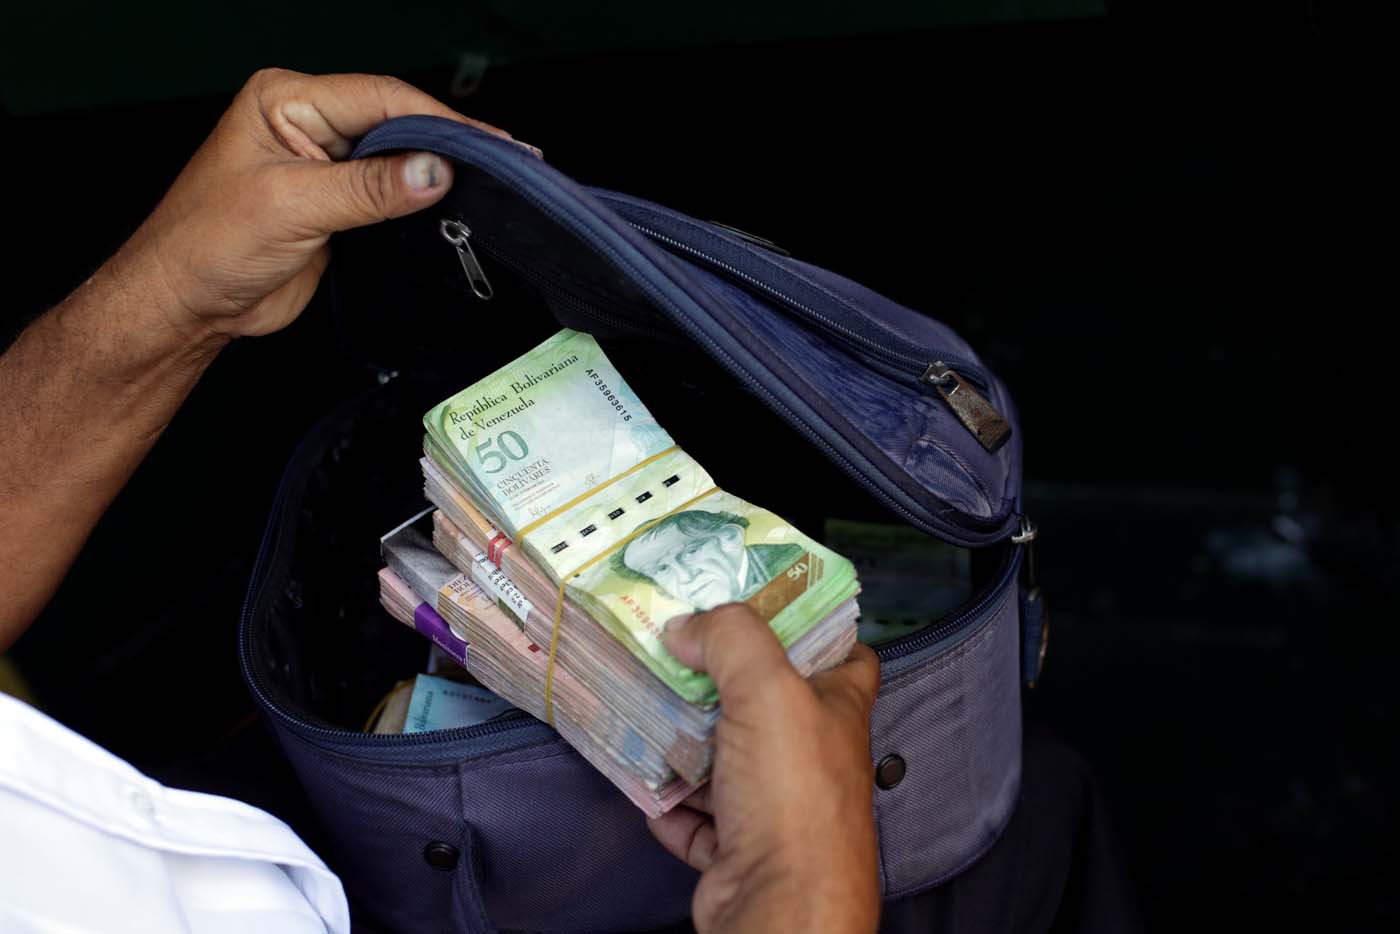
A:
(792, 854)
(564, 460)
(573, 528)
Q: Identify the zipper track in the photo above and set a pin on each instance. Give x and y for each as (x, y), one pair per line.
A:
(581, 305)
(907, 645)
(918, 641)
(518, 719)
(726, 359)
(271, 540)
(507, 174)
(273, 533)
(914, 642)
(909, 364)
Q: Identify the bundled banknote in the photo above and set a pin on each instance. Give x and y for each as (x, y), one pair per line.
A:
(577, 521)
(435, 702)
(420, 588)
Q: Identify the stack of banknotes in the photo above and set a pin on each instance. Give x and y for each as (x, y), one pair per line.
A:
(568, 529)
(442, 701)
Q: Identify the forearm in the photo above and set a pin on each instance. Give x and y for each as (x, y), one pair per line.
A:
(84, 392)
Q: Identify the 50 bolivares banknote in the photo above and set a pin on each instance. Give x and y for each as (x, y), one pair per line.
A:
(568, 516)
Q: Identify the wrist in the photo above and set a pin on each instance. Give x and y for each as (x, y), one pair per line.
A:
(156, 305)
(809, 890)
(800, 905)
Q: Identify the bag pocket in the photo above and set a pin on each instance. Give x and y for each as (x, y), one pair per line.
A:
(946, 742)
(542, 841)
(896, 341)
(951, 463)
(500, 825)
(529, 837)
(562, 850)
(395, 833)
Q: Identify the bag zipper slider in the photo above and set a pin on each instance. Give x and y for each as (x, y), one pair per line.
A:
(458, 234)
(977, 414)
(1026, 532)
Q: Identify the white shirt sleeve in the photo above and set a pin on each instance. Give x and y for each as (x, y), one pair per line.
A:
(88, 843)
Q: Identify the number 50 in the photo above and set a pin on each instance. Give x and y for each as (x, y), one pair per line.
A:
(515, 450)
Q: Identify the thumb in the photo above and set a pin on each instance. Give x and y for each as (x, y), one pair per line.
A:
(736, 648)
(341, 195)
(855, 681)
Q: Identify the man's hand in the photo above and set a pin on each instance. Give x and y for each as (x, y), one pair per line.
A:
(240, 240)
(784, 834)
(235, 248)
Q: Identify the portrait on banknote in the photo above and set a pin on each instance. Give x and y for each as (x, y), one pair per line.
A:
(701, 557)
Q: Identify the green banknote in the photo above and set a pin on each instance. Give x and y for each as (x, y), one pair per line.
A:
(717, 550)
(557, 450)
(542, 430)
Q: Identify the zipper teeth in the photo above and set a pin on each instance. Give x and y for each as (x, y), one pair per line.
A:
(510, 175)
(914, 642)
(784, 297)
(256, 681)
(736, 370)
(942, 630)
(794, 419)
(917, 363)
(272, 536)
(580, 304)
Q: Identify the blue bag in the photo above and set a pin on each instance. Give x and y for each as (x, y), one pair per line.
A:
(502, 826)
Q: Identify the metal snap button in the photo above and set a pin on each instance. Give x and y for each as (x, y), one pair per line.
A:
(890, 771)
(441, 856)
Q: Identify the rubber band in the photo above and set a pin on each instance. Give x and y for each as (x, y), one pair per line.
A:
(520, 535)
(496, 547)
(564, 582)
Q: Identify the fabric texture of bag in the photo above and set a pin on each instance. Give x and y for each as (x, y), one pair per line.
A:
(502, 826)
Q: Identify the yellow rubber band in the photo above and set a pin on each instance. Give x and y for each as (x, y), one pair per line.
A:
(520, 536)
(563, 582)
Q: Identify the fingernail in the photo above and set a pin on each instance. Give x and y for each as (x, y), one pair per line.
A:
(423, 171)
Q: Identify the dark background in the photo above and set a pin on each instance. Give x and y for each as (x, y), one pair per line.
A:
(1151, 222)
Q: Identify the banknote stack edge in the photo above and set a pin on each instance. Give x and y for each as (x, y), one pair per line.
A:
(568, 529)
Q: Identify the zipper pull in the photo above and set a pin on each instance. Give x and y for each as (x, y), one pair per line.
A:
(457, 234)
(977, 414)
